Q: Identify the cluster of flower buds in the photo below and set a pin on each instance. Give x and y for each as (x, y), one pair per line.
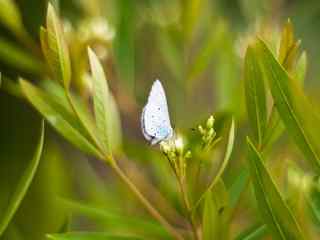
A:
(177, 155)
(208, 134)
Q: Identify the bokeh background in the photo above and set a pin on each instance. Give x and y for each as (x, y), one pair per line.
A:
(195, 47)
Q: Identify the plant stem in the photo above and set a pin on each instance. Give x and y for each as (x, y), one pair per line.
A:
(188, 208)
(154, 212)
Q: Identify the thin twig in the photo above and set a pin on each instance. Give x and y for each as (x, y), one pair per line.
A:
(154, 212)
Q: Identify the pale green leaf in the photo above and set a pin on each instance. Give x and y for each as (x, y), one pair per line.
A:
(272, 207)
(301, 68)
(10, 16)
(101, 99)
(55, 49)
(59, 117)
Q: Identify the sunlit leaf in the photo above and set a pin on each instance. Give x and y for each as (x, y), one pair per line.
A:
(294, 108)
(55, 48)
(101, 99)
(10, 17)
(255, 96)
(301, 68)
(272, 207)
(59, 117)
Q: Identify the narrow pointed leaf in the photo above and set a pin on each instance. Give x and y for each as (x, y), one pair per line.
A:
(273, 209)
(215, 213)
(101, 99)
(301, 68)
(293, 107)
(89, 236)
(24, 181)
(255, 96)
(57, 54)
(223, 165)
(10, 16)
(254, 233)
(59, 117)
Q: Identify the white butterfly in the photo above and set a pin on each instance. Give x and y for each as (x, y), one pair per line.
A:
(155, 120)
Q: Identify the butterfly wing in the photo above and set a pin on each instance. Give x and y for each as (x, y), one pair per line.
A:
(155, 120)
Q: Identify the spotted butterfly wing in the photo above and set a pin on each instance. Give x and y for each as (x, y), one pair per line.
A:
(155, 120)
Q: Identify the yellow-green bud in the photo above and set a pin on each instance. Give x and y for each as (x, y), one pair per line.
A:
(188, 154)
(210, 122)
(201, 130)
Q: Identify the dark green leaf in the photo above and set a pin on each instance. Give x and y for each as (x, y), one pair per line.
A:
(115, 220)
(254, 233)
(214, 225)
(273, 208)
(255, 96)
(294, 108)
(17, 192)
(223, 165)
(89, 236)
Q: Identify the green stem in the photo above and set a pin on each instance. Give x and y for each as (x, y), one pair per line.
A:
(154, 212)
(188, 208)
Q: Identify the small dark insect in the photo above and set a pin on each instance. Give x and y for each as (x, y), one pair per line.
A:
(220, 211)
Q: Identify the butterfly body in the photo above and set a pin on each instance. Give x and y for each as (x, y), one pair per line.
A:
(155, 120)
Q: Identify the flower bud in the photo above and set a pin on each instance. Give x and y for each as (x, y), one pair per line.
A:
(201, 130)
(188, 154)
(179, 145)
(210, 122)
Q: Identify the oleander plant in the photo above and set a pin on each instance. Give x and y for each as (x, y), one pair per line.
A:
(136, 120)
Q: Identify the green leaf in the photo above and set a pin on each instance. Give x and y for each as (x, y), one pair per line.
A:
(301, 68)
(287, 41)
(89, 236)
(55, 48)
(214, 225)
(114, 126)
(10, 16)
(255, 96)
(294, 108)
(40, 213)
(115, 220)
(273, 208)
(254, 233)
(238, 186)
(206, 54)
(59, 117)
(21, 148)
(124, 47)
(223, 165)
(17, 58)
(101, 99)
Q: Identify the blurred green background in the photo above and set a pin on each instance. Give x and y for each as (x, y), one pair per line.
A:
(195, 47)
